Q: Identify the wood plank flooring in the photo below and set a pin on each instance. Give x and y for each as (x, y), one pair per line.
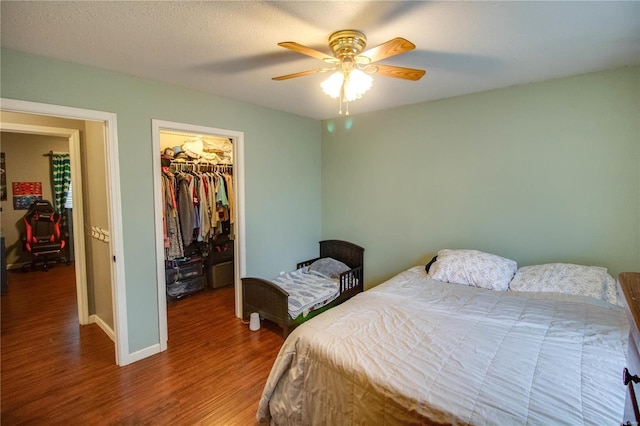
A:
(54, 371)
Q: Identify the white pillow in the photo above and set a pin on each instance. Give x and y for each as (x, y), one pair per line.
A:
(591, 281)
(474, 268)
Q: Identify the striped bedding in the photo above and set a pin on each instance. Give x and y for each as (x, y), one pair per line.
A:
(308, 290)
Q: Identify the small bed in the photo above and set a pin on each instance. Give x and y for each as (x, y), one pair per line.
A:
(415, 351)
(272, 301)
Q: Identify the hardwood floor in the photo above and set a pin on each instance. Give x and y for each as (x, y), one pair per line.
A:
(55, 371)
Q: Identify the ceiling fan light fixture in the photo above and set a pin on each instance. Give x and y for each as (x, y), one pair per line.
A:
(352, 64)
(356, 84)
(347, 85)
(332, 86)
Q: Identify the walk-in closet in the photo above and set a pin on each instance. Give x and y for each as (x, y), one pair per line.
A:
(198, 201)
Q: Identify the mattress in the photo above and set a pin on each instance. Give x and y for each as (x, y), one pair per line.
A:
(308, 290)
(418, 351)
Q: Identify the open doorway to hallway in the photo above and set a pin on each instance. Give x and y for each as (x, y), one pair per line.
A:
(95, 241)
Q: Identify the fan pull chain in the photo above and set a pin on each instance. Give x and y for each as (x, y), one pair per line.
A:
(340, 105)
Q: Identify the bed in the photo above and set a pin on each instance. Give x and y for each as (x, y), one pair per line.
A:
(271, 300)
(415, 350)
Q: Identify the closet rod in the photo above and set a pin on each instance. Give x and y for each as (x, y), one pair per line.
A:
(51, 153)
(195, 166)
(199, 163)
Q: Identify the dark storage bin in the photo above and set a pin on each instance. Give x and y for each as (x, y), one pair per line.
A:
(191, 268)
(185, 277)
(183, 288)
(220, 275)
(171, 275)
(183, 270)
(222, 252)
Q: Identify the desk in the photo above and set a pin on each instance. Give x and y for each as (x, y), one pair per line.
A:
(629, 283)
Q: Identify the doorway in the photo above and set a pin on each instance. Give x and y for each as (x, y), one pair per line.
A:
(72, 136)
(118, 330)
(239, 264)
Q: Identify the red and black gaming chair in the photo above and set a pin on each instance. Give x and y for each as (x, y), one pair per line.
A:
(43, 237)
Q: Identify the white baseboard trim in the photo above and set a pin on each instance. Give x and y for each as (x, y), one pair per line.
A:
(141, 354)
(103, 325)
(130, 358)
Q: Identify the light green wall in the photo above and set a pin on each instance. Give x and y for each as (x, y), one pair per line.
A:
(282, 167)
(545, 172)
(538, 173)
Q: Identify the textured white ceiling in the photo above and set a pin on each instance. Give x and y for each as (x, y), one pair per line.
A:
(230, 48)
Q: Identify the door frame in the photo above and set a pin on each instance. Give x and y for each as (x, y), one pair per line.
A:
(239, 269)
(118, 287)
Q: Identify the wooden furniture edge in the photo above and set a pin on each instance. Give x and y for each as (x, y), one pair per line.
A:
(630, 285)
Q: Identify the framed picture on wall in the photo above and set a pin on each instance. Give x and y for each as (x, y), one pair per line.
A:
(25, 193)
(3, 178)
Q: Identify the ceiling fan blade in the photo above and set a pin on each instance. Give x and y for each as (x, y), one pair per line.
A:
(296, 47)
(390, 48)
(299, 74)
(400, 72)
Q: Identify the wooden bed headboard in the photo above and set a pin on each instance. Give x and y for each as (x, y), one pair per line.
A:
(350, 254)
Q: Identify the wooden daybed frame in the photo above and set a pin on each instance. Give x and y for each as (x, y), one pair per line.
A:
(271, 302)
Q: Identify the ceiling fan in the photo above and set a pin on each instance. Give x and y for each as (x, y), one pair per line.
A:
(351, 64)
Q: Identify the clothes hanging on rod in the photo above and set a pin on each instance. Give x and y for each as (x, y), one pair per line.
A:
(172, 233)
(198, 205)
